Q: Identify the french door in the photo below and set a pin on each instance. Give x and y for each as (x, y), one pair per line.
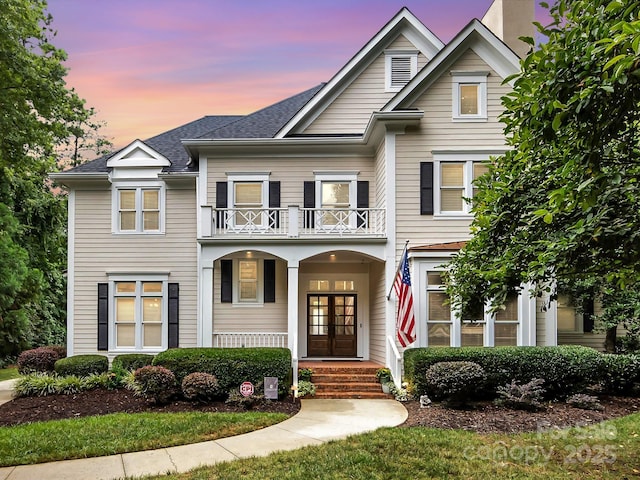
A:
(331, 325)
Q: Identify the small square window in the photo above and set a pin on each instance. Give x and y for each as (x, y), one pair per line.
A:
(469, 96)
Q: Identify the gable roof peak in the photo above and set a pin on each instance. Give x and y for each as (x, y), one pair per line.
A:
(404, 22)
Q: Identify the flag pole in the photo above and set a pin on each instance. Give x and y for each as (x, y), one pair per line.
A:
(397, 269)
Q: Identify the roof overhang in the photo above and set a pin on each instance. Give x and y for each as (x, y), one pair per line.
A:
(74, 179)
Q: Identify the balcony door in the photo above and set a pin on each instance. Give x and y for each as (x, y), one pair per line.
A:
(331, 325)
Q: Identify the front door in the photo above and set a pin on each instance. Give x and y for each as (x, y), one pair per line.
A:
(331, 325)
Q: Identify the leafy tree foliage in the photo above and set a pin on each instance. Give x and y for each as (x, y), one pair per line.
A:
(37, 112)
(564, 203)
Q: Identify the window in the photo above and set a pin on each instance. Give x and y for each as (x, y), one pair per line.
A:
(567, 316)
(138, 210)
(505, 328)
(438, 312)
(336, 197)
(400, 67)
(454, 181)
(248, 281)
(472, 329)
(139, 314)
(248, 199)
(469, 96)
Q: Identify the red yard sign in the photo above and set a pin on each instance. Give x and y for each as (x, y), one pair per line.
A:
(246, 389)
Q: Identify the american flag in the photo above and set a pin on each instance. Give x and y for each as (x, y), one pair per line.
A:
(406, 320)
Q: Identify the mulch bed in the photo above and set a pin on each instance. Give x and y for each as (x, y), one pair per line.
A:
(102, 401)
(486, 417)
(482, 417)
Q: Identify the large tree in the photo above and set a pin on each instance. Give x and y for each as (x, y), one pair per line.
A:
(564, 202)
(38, 113)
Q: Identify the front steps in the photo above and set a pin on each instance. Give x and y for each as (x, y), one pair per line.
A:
(351, 380)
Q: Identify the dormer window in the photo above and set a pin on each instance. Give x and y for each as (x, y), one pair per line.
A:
(400, 66)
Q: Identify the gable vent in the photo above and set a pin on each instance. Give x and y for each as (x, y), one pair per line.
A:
(400, 71)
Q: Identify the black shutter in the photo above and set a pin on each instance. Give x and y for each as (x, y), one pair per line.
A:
(221, 202)
(269, 270)
(587, 315)
(274, 202)
(226, 281)
(174, 314)
(426, 188)
(362, 202)
(103, 316)
(309, 202)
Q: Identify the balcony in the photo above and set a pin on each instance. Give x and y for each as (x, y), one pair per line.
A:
(293, 222)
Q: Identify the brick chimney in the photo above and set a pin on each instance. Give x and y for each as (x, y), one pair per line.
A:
(510, 19)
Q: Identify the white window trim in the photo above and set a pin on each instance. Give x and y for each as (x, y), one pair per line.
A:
(235, 291)
(113, 279)
(461, 78)
(468, 159)
(138, 187)
(488, 320)
(388, 56)
(338, 177)
(233, 178)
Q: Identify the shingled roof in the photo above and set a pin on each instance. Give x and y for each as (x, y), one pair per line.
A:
(264, 123)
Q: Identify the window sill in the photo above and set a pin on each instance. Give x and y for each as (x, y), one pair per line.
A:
(469, 119)
(452, 216)
(248, 305)
(137, 233)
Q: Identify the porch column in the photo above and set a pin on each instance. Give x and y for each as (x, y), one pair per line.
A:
(205, 329)
(292, 323)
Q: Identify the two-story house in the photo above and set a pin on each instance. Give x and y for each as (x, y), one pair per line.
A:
(285, 227)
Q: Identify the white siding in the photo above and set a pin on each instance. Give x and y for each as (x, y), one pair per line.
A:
(437, 131)
(351, 110)
(291, 172)
(98, 251)
(377, 320)
(267, 317)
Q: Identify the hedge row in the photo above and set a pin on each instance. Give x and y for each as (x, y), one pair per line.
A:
(231, 366)
(565, 369)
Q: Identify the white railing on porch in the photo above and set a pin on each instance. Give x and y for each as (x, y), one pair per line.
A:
(395, 361)
(293, 222)
(250, 339)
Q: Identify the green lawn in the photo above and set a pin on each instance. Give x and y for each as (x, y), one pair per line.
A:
(118, 433)
(604, 451)
(8, 373)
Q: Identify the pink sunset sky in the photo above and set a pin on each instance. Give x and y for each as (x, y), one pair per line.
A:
(148, 66)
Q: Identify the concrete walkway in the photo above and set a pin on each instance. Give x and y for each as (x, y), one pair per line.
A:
(6, 391)
(317, 422)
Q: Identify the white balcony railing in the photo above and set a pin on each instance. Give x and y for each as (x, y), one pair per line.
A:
(250, 339)
(293, 222)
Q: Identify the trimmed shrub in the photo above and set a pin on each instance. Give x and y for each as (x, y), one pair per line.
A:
(156, 384)
(60, 349)
(585, 402)
(82, 365)
(131, 361)
(231, 366)
(455, 382)
(41, 359)
(527, 396)
(621, 374)
(236, 399)
(565, 369)
(201, 387)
